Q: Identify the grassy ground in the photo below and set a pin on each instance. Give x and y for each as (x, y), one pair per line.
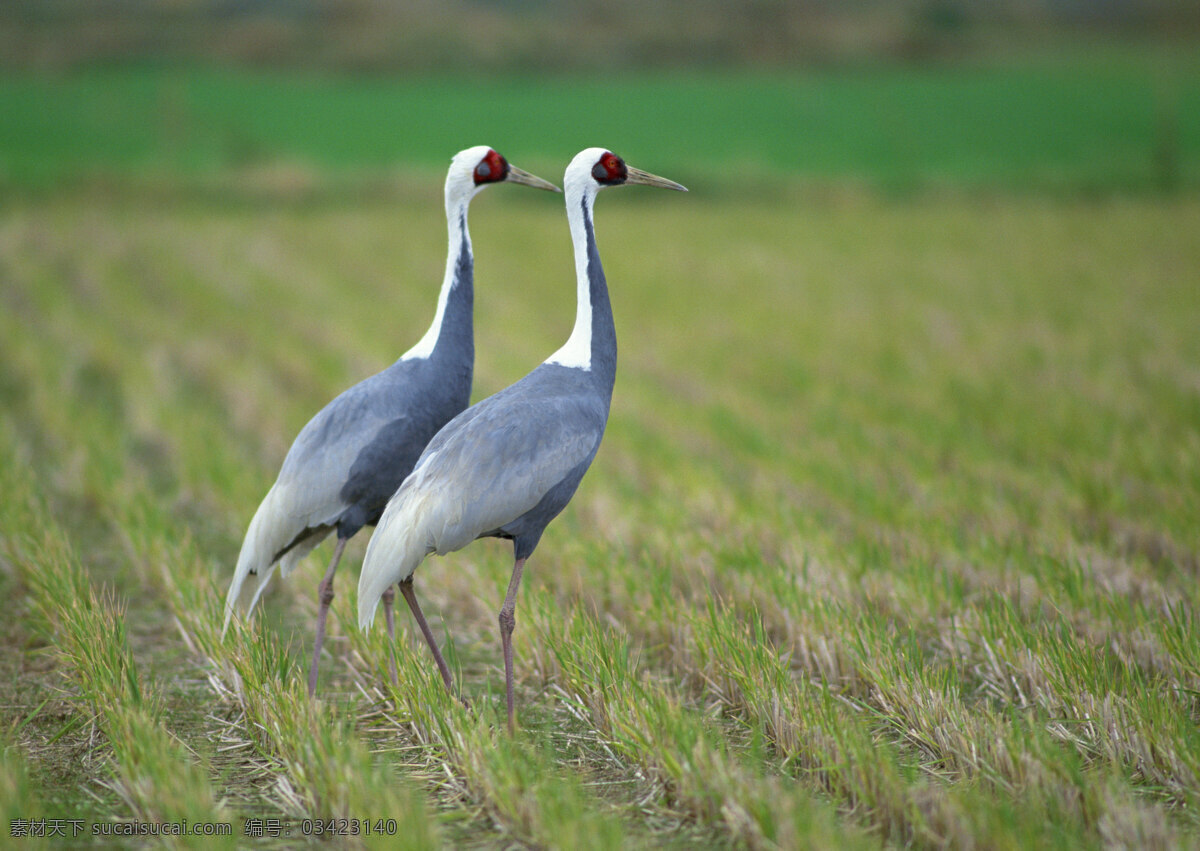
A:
(1101, 118)
(891, 540)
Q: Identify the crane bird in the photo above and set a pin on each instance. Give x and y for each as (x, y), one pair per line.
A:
(506, 466)
(356, 451)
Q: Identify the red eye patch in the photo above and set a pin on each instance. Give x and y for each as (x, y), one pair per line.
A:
(609, 169)
(491, 168)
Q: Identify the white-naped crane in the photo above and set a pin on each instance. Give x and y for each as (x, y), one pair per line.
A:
(350, 458)
(506, 466)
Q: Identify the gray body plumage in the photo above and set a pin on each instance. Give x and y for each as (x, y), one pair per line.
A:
(523, 453)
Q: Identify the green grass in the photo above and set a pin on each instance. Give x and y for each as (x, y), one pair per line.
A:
(891, 541)
(1095, 119)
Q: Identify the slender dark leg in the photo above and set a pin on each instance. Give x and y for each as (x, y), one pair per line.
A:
(388, 596)
(406, 588)
(325, 596)
(508, 620)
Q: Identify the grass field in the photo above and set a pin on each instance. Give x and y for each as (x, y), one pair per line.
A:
(1099, 119)
(892, 539)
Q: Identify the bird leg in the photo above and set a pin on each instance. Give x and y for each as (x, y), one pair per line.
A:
(406, 588)
(388, 596)
(325, 597)
(508, 621)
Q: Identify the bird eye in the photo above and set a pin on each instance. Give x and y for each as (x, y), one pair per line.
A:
(609, 169)
(483, 171)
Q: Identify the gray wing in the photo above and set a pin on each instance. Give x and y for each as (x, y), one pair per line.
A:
(497, 460)
(489, 466)
(305, 496)
(319, 461)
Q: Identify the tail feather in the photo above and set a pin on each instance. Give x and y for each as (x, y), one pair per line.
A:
(271, 530)
(264, 579)
(251, 560)
(400, 543)
(285, 564)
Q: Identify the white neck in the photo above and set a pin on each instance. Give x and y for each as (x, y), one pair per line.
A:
(577, 351)
(456, 221)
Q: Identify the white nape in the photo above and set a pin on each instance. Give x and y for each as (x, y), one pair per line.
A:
(460, 189)
(580, 189)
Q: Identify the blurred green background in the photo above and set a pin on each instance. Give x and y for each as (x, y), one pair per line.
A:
(1050, 93)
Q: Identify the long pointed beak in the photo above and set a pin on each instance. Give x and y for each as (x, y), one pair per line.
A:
(517, 175)
(645, 178)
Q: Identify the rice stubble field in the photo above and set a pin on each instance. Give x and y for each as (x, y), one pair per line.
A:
(891, 540)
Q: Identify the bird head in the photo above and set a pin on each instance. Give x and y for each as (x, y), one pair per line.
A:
(594, 169)
(474, 168)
